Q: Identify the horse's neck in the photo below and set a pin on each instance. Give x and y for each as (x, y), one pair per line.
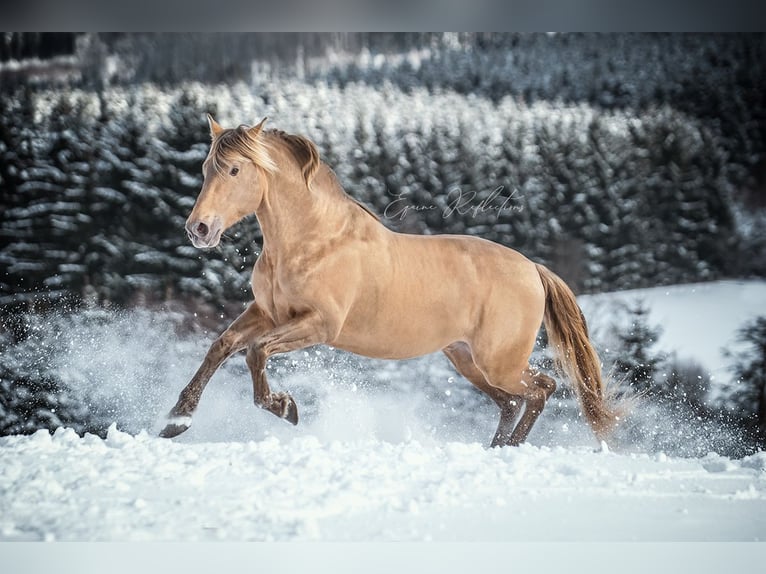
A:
(291, 216)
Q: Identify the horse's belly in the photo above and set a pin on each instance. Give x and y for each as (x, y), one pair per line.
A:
(392, 345)
(406, 328)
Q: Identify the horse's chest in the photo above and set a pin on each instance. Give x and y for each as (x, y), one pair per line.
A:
(271, 295)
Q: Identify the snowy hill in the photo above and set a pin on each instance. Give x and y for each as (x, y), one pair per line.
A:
(698, 320)
(384, 451)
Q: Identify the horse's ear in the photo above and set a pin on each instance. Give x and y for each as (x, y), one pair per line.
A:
(215, 128)
(255, 130)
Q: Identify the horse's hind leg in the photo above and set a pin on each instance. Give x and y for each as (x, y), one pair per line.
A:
(460, 356)
(539, 389)
(280, 404)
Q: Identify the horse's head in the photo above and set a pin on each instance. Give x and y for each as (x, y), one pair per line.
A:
(235, 176)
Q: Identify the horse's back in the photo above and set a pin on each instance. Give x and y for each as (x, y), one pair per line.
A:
(467, 263)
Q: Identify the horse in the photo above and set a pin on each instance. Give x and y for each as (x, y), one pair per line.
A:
(331, 273)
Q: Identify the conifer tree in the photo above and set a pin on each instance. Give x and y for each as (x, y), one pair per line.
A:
(48, 210)
(749, 368)
(18, 140)
(638, 362)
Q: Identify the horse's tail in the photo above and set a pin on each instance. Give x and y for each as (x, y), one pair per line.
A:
(575, 355)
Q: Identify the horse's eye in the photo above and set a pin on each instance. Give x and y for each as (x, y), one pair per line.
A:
(234, 171)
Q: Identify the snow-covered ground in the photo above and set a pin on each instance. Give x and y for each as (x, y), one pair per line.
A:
(143, 488)
(384, 451)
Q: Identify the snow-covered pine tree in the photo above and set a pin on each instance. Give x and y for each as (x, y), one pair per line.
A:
(507, 170)
(17, 153)
(638, 362)
(123, 259)
(49, 203)
(748, 395)
(384, 168)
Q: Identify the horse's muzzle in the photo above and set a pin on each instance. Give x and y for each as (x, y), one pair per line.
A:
(204, 234)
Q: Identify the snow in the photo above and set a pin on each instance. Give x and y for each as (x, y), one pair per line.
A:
(124, 487)
(180, 421)
(698, 320)
(384, 450)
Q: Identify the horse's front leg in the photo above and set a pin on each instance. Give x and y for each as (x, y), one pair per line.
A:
(297, 333)
(246, 328)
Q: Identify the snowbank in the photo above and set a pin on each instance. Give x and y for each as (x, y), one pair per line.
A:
(64, 487)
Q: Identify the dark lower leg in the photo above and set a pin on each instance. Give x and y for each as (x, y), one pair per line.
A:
(179, 418)
(460, 356)
(540, 388)
(190, 395)
(279, 404)
(508, 413)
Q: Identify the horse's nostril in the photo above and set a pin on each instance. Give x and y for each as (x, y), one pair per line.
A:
(201, 230)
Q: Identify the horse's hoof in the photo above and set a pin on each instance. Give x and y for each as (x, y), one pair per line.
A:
(291, 411)
(175, 426)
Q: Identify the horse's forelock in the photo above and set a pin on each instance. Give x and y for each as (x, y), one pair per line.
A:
(239, 142)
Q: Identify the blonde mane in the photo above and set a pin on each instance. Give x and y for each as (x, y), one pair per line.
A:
(240, 142)
(303, 150)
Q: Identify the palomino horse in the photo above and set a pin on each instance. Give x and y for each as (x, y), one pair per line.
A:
(331, 273)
